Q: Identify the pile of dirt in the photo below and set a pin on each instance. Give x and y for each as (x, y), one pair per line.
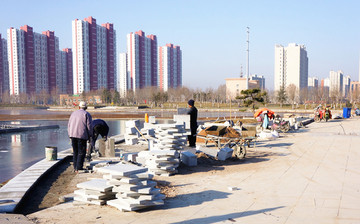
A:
(167, 189)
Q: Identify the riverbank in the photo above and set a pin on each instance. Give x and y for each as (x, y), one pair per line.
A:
(63, 113)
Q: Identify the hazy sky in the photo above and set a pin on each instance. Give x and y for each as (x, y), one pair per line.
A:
(212, 34)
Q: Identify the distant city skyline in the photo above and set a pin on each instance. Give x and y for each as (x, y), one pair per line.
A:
(212, 34)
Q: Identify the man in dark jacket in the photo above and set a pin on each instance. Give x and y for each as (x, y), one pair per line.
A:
(99, 128)
(193, 123)
(80, 131)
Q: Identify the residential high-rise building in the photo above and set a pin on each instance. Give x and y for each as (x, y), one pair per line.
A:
(346, 85)
(142, 60)
(34, 62)
(291, 66)
(123, 80)
(313, 83)
(16, 58)
(325, 86)
(354, 89)
(170, 67)
(4, 67)
(336, 82)
(66, 81)
(53, 54)
(94, 55)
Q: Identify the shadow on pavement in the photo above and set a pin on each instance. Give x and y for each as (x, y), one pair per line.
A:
(282, 144)
(229, 217)
(185, 200)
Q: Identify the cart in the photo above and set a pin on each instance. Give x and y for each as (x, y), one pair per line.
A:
(238, 144)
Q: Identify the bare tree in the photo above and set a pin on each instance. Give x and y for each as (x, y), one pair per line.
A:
(292, 93)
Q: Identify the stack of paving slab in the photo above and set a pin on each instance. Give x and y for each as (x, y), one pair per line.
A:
(170, 136)
(131, 132)
(159, 162)
(134, 135)
(95, 191)
(133, 185)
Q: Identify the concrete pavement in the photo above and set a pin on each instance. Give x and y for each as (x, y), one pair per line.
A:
(311, 176)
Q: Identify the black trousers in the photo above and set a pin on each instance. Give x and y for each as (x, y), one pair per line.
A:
(192, 137)
(79, 152)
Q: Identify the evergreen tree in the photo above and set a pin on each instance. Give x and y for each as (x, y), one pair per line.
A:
(281, 96)
(251, 96)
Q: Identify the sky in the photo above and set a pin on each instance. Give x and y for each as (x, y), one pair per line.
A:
(212, 34)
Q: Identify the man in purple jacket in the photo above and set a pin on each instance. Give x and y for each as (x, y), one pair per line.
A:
(80, 130)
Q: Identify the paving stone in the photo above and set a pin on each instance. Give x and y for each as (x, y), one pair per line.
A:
(188, 158)
(208, 151)
(131, 141)
(182, 119)
(94, 195)
(122, 169)
(89, 200)
(124, 206)
(130, 130)
(95, 184)
(132, 123)
(225, 153)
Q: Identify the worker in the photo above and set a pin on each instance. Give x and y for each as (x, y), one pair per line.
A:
(193, 112)
(80, 131)
(99, 128)
(265, 123)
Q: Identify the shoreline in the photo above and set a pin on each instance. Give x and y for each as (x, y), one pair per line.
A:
(127, 113)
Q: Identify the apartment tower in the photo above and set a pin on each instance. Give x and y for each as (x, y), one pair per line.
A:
(4, 66)
(291, 66)
(170, 67)
(142, 60)
(34, 62)
(94, 55)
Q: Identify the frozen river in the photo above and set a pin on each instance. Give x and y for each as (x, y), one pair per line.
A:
(20, 150)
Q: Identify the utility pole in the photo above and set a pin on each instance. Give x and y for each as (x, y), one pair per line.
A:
(247, 58)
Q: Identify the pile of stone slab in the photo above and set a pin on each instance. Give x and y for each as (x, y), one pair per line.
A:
(159, 162)
(170, 137)
(95, 191)
(133, 186)
(131, 132)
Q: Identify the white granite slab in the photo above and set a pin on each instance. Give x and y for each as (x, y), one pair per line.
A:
(95, 184)
(125, 170)
(89, 200)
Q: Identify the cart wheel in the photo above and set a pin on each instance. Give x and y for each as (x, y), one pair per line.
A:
(285, 128)
(240, 151)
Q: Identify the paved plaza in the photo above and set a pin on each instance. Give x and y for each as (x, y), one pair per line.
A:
(308, 176)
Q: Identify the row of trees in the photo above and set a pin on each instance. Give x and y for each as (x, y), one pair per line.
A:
(335, 97)
(155, 98)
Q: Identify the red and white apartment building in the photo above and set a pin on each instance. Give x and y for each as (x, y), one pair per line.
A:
(35, 63)
(141, 61)
(170, 67)
(146, 65)
(94, 55)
